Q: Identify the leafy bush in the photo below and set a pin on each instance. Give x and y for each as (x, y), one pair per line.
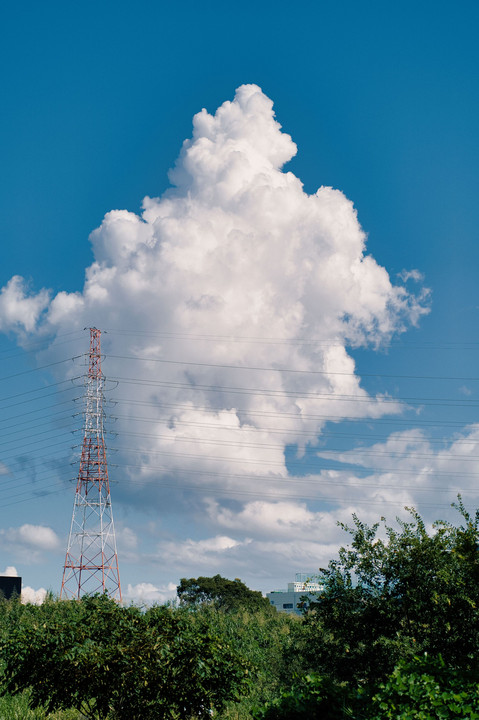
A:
(109, 661)
(314, 696)
(426, 689)
(18, 708)
(271, 641)
(358, 652)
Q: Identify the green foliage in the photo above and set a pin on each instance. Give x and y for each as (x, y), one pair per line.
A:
(426, 689)
(197, 669)
(224, 594)
(18, 708)
(313, 696)
(59, 650)
(385, 600)
(272, 643)
(110, 661)
(423, 688)
(391, 596)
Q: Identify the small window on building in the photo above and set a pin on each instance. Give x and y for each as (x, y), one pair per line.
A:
(287, 606)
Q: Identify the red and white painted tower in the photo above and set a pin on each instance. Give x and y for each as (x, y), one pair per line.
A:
(91, 562)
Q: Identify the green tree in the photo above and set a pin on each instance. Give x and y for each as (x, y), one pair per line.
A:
(224, 594)
(388, 599)
(120, 663)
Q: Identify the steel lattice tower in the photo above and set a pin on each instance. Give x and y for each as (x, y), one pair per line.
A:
(91, 562)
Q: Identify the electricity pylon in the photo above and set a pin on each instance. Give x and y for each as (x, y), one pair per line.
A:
(91, 562)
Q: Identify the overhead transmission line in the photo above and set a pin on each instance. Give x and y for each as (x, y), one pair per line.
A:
(258, 391)
(313, 434)
(299, 394)
(225, 366)
(265, 391)
(291, 439)
(281, 413)
(252, 493)
(316, 479)
(317, 342)
(38, 346)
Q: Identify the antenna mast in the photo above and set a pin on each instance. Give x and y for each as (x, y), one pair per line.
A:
(91, 562)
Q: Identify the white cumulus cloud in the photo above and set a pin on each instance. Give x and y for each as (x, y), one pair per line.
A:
(10, 571)
(27, 543)
(36, 536)
(33, 597)
(236, 249)
(196, 553)
(29, 595)
(230, 302)
(148, 594)
(19, 309)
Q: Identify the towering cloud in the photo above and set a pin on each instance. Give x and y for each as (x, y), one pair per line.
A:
(240, 293)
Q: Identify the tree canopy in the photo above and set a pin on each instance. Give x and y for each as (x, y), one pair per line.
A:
(393, 634)
(120, 663)
(396, 596)
(224, 594)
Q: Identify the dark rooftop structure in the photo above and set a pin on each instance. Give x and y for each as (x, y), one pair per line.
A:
(10, 586)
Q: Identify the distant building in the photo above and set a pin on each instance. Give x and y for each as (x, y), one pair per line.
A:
(292, 599)
(10, 586)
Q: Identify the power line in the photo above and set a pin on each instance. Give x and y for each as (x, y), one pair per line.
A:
(290, 370)
(31, 452)
(281, 446)
(290, 435)
(308, 416)
(35, 390)
(40, 367)
(65, 413)
(291, 438)
(44, 432)
(299, 394)
(316, 480)
(315, 435)
(316, 467)
(453, 345)
(36, 410)
(41, 345)
(319, 482)
(241, 492)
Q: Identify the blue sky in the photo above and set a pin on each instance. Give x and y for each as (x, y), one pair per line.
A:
(382, 104)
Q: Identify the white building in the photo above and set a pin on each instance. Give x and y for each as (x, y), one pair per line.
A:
(292, 599)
